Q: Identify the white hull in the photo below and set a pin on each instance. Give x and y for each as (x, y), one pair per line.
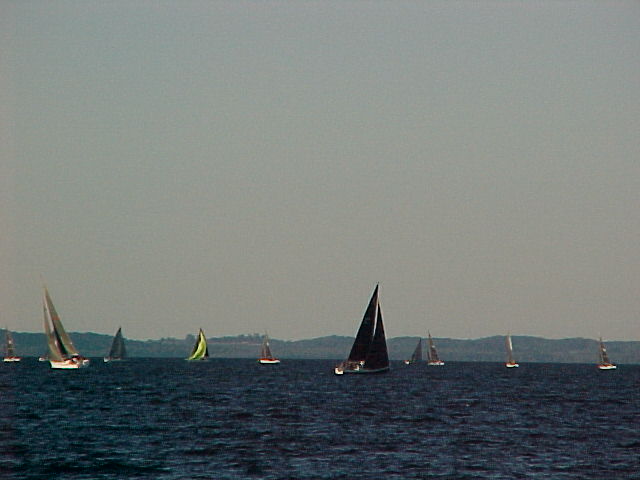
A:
(269, 361)
(12, 359)
(512, 365)
(67, 365)
(436, 364)
(607, 367)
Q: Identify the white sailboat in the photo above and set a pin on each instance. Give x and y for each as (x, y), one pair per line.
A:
(605, 363)
(10, 356)
(266, 357)
(511, 363)
(62, 353)
(432, 353)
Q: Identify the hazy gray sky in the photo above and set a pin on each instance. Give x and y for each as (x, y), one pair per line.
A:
(244, 166)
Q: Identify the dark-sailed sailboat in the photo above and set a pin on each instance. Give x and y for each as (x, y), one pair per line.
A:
(10, 356)
(369, 351)
(200, 349)
(417, 354)
(118, 350)
(432, 354)
(62, 353)
(266, 357)
(605, 363)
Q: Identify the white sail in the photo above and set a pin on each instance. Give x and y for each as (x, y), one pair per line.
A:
(511, 363)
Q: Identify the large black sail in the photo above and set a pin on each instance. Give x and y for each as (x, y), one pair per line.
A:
(365, 332)
(118, 350)
(377, 357)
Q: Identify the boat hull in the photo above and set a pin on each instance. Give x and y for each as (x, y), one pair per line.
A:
(340, 370)
(12, 359)
(436, 364)
(269, 361)
(68, 364)
(511, 365)
(608, 366)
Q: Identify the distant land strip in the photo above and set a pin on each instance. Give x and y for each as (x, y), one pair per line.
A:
(489, 349)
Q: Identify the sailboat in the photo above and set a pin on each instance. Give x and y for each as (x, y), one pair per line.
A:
(10, 349)
(369, 351)
(432, 354)
(511, 363)
(62, 353)
(200, 350)
(605, 363)
(417, 354)
(266, 357)
(118, 350)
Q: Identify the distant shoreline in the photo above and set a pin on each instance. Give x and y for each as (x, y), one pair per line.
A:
(487, 349)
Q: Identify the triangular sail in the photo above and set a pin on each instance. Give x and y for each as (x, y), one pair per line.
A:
(432, 352)
(604, 356)
(266, 350)
(64, 341)
(11, 348)
(200, 350)
(377, 356)
(118, 350)
(365, 332)
(509, 346)
(55, 352)
(417, 353)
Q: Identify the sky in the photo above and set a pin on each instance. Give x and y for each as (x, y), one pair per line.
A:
(251, 166)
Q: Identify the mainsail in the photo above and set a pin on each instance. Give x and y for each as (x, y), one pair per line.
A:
(377, 356)
(11, 348)
(510, 361)
(365, 332)
(266, 350)
(432, 353)
(416, 356)
(605, 363)
(118, 350)
(62, 341)
(200, 350)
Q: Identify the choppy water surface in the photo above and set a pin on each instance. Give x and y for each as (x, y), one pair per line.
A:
(231, 419)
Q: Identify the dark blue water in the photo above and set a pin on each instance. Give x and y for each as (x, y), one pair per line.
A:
(234, 419)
